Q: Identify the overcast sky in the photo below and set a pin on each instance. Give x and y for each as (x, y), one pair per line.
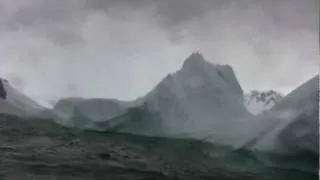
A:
(123, 48)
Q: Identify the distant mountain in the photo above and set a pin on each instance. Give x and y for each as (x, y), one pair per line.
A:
(15, 103)
(259, 101)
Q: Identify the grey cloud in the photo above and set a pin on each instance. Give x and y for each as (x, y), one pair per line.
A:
(64, 38)
(170, 15)
(175, 16)
(119, 4)
(51, 19)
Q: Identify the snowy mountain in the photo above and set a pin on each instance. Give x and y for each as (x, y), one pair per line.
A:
(259, 101)
(291, 126)
(15, 103)
(197, 100)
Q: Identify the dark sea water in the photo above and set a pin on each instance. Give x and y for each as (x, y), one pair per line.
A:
(43, 150)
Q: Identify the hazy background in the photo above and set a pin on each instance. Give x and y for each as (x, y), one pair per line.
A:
(123, 48)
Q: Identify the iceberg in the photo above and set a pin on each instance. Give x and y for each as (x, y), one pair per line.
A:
(197, 99)
(205, 101)
(201, 101)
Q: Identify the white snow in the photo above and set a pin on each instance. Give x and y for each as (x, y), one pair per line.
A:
(259, 101)
(17, 103)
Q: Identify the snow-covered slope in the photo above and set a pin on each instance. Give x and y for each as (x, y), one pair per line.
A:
(259, 101)
(15, 103)
(291, 126)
